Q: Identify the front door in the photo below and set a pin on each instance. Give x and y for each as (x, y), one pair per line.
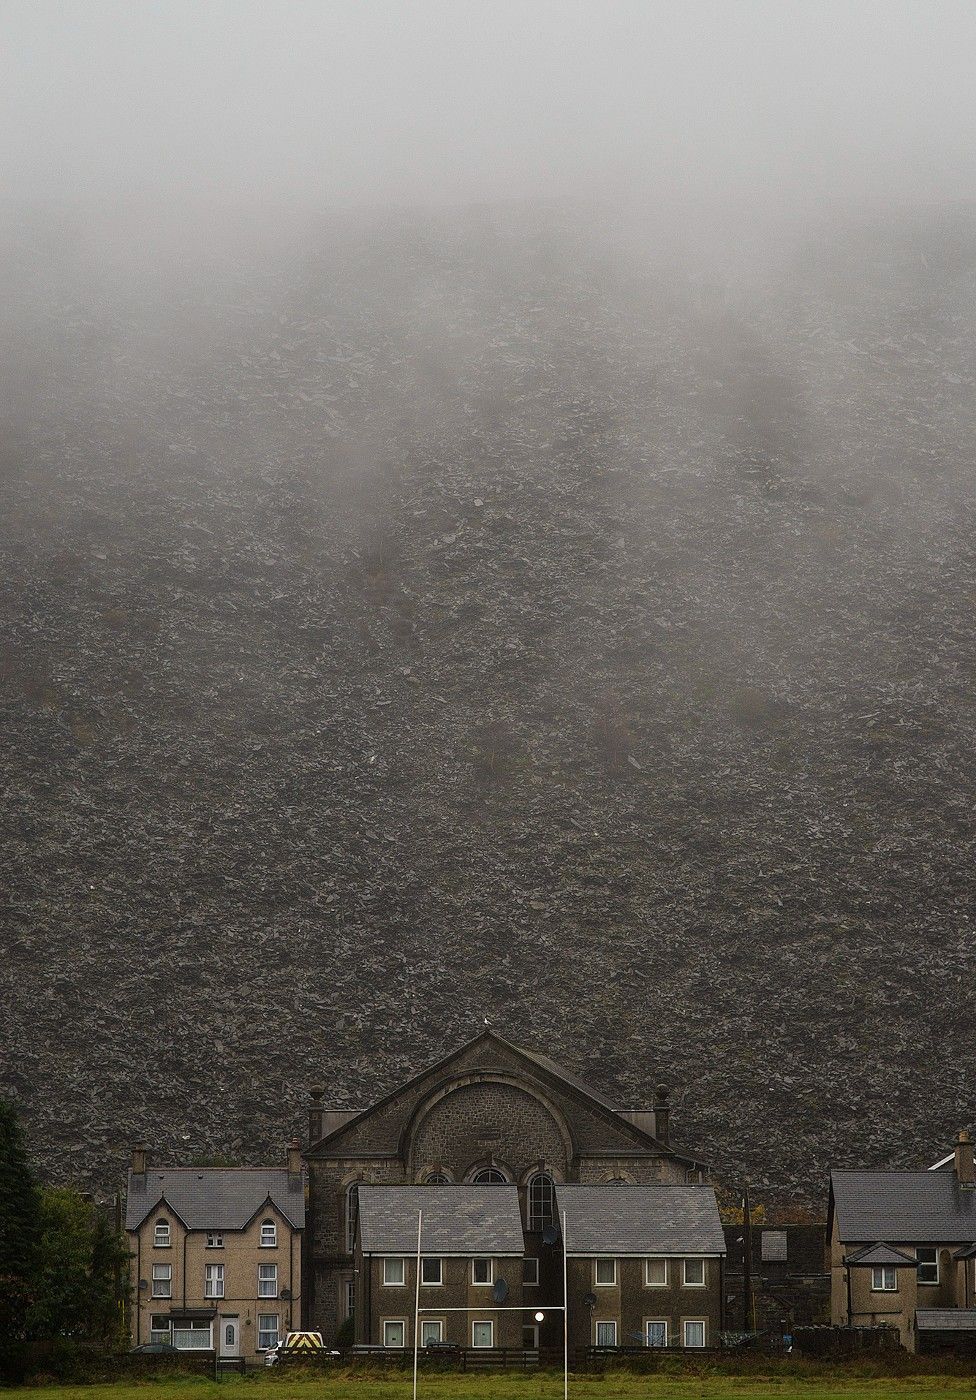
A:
(230, 1336)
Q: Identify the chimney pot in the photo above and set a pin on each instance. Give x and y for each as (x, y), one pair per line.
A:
(965, 1173)
(294, 1157)
(139, 1159)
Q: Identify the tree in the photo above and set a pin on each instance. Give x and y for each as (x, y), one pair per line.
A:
(19, 1224)
(77, 1272)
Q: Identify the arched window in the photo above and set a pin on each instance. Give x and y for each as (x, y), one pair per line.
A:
(541, 1201)
(490, 1176)
(269, 1234)
(437, 1179)
(352, 1207)
(161, 1235)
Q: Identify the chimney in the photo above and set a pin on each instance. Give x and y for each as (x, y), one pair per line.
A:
(294, 1158)
(964, 1159)
(662, 1114)
(139, 1158)
(315, 1115)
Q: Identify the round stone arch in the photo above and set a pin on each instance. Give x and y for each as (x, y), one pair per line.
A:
(551, 1139)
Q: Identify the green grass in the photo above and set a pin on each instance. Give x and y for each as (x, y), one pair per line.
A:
(613, 1386)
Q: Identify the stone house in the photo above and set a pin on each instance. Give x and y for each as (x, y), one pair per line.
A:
(784, 1284)
(216, 1254)
(490, 1112)
(471, 1276)
(902, 1248)
(644, 1265)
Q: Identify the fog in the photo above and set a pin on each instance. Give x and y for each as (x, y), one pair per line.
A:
(346, 101)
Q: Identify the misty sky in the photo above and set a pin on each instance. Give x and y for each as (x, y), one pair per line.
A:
(338, 101)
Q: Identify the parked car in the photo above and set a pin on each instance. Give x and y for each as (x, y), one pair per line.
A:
(156, 1346)
(297, 1344)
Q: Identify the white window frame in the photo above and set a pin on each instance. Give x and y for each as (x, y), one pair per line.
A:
(599, 1282)
(349, 1297)
(483, 1322)
(160, 1334)
(650, 1322)
(267, 1274)
(400, 1282)
(879, 1275)
(272, 1241)
(162, 1235)
(530, 1261)
(687, 1282)
(599, 1322)
(483, 1282)
(351, 1211)
(687, 1322)
(264, 1332)
(215, 1239)
(213, 1281)
(437, 1282)
(540, 1201)
(201, 1330)
(653, 1282)
(400, 1322)
(426, 1322)
(162, 1273)
(927, 1264)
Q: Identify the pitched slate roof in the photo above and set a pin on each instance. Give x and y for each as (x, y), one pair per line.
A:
(876, 1254)
(918, 1207)
(623, 1219)
(456, 1219)
(215, 1198)
(945, 1319)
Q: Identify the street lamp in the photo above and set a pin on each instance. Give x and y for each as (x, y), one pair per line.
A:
(540, 1317)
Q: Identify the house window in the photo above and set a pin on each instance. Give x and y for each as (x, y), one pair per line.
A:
(490, 1176)
(884, 1278)
(437, 1179)
(350, 1295)
(482, 1334)
(394, 1273)
(483, 1272)
(530, 1272)
(159, 1327)
(162, 1280)
(213, 1286)
(605, 1272)
(431, 1332)
(656, 1273)
(606, 1334)
(541, 1202)
(215, 1241)
(928, 1264)
(161, 1235)
(656, 1332)
(693, 1274)
(695, 1333)
(267, 1331)
(269, 1234)
(352, 1206)
(267, 1280)
(193, 1336)
(394, 1333)
(431, 1272)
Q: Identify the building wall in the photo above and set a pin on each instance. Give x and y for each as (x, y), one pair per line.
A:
(794, 1292)
(188, 1256)
(631, 1302)
(377, 1302)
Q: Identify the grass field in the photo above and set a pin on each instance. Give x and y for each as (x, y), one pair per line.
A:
(614, 1386)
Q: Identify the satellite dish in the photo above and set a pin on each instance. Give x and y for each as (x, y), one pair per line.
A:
(500, 1291)
(285, 1293)
(550, 1235)
(590, 1300)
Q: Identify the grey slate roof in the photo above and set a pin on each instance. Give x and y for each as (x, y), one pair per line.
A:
(875, 1254)
(946, 1319)
(457, 1220)
(623, 1219)
(214, 1198)
(919, 1207)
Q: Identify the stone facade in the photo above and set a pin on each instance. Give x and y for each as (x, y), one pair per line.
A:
(378, 1303)
(599, 1310)
(488, 1107)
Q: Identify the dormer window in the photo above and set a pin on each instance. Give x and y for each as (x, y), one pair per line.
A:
(161, 1235)
(269, 1234)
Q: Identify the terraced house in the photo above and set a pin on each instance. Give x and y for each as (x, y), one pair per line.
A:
(216, 1254)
